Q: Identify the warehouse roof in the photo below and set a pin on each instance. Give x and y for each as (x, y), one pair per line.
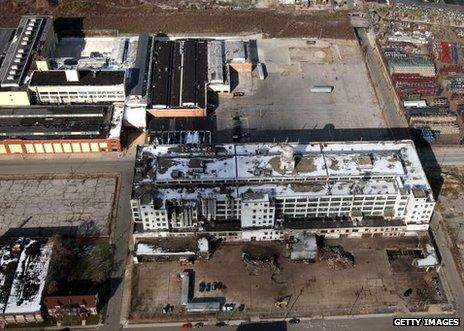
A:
(5, 38)
(86, 78)
(59, 122)
(179, 73)
(139, 73)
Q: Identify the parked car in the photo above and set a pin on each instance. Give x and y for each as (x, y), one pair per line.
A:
(187, 326)
(239, 94)
(214, 286)
(199, 325)
(201, 287)
(237, 133)
(221, 324)
(208, 287)
(228, 307)
(294, 320)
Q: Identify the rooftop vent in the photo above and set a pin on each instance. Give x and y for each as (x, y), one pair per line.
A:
(72, 75)
(287, 159)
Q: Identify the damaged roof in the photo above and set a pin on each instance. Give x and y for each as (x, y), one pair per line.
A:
(24, 268)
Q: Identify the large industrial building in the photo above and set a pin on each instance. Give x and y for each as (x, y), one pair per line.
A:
(34, 37)
(60, 129)
(179, 78)
(269, 191)
(184, 70)
(78, 86)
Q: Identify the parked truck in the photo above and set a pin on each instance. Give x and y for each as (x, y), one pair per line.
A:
(322, 89)
(415, 103)
(261, 70)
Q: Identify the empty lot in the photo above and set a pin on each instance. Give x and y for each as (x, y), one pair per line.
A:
(373, 285)
(283, 100)
(42, 202)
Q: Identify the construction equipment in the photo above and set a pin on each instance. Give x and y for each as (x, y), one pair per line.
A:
(185, 262)
(282, 302)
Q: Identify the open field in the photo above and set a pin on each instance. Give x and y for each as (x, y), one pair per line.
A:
(57, 201)
(374, 285)
(149, 17)
(283, 100)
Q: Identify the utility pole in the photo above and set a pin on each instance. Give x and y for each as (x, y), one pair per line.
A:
(356, 300)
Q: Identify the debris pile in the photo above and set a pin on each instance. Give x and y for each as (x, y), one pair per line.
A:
(255, 265)
(337, 258)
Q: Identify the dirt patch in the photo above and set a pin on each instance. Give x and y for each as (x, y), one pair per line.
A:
(311, 54)
(275, 164)
(150, 18)
(174, 244)
(305, 165)
(309, 288)
(307, 187)
(262, 250)
(418, 287)
(334, 164)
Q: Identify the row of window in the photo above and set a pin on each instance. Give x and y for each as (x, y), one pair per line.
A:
(315, 204)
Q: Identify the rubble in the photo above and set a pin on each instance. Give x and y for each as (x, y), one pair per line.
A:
(255, 265)
(336, 257)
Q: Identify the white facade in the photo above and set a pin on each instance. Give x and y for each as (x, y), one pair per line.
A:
(257, 211)
(268, 189)
(80, 94)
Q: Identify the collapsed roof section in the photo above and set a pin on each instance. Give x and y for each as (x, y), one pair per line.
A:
(24, 268)
(60, 122)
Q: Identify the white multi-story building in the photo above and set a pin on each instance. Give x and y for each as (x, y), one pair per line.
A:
(78, 86)
(268, 191)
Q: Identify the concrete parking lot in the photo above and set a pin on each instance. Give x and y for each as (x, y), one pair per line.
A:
(57, 201)
(283, 100)
(373, 285)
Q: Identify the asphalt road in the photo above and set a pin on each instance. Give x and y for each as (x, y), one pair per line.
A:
(383, 88)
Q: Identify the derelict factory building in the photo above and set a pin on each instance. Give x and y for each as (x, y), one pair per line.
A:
(269, 191)
(60, 129)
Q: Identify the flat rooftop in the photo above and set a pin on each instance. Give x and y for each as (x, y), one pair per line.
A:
(390, 165)
(181, 130)
(179, 74)
(57, 122)
(86, 78)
